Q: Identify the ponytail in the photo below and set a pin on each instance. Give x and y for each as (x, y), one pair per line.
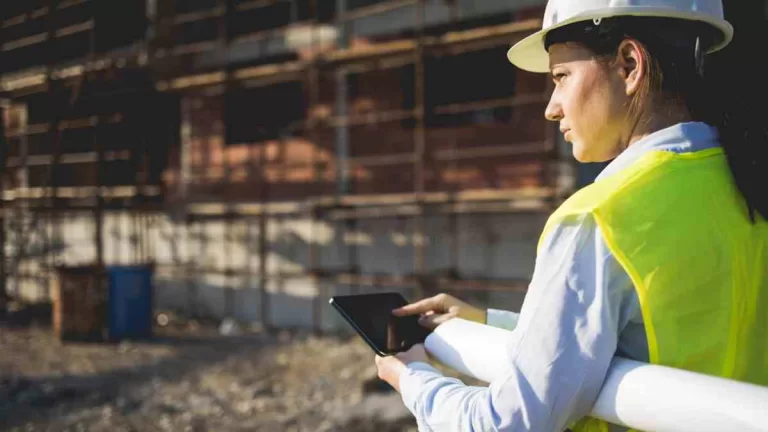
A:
(737, 98)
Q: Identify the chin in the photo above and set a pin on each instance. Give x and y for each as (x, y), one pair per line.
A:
(580, 154)
(583, 155)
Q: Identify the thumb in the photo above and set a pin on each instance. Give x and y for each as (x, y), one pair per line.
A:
(432, 321)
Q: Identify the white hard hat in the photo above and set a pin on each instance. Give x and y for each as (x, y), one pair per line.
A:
(531, 55)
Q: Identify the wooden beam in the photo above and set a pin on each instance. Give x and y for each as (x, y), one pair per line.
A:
(195, 47)
(512, 149)
(376, 9)
(503, 30)
(514, 101)
(386, 48)
(360, 53)
(210, 209)
(80, 192)
(70, 158)
(198, 80)
(69, 3)
(18, 19)
(198, 15)
(73, 29)
(269, 70)
(26, 41)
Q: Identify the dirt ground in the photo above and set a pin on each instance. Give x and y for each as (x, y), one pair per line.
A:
(191, 378)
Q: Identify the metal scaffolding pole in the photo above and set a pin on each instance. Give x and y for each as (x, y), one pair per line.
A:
(99, 208)
(266, 320)
(419, 144)
(313, 100)
(54, 134)
(223, 40)
(3, 174)
(342, 107)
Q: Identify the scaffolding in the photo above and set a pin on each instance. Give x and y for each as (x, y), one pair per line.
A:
(73, 117)
(328, 111)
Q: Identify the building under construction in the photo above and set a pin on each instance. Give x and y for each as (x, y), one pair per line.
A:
(265, 154)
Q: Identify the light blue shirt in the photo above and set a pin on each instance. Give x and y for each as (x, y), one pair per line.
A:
(581, 309)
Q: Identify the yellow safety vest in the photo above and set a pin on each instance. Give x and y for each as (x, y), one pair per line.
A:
(679, 227)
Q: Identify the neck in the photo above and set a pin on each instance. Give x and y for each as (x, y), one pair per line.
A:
(658, 120)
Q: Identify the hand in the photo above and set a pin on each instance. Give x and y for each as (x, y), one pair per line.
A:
(439, 309)
(391, 367)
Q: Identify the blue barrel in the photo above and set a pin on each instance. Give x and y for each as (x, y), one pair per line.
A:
(130, 301)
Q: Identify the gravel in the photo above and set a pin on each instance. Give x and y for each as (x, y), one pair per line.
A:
(189, 377)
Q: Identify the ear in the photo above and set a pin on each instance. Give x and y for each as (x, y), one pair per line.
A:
(631, 64)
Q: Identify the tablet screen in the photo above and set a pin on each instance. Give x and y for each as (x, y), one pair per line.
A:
(372, 315)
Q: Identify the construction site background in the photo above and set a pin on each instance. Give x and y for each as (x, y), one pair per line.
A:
(262, 156)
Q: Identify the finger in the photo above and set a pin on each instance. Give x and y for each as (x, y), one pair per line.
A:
(420, 307)
(443, 318)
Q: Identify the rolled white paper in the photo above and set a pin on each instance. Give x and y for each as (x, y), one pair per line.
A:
(636, 395)
(473, 349)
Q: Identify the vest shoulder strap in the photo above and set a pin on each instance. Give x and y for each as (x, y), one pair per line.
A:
(591, 197)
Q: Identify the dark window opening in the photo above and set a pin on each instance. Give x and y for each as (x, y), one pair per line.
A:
(71, 16)
(79, 140)
(72, 47)
(325, 10)
(28, 28)
(260, 19)
(264, 113)
(472, 77)
(354, 4)
(186, 6)
(14, 8)
(119, 24)
(197, 31)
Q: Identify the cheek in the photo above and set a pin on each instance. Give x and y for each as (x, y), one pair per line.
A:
(595, 111)
(594, 119)
(586, 113)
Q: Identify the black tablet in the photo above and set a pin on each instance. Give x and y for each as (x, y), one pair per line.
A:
(371, 316)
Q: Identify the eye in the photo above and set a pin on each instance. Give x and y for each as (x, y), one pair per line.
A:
(558, 76)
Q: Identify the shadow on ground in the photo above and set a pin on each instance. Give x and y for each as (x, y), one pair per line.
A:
(196, 380)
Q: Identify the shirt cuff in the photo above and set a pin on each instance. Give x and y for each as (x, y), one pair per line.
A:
(502, 319)
(412, 380)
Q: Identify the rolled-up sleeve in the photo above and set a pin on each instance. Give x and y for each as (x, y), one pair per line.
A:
(559, 353)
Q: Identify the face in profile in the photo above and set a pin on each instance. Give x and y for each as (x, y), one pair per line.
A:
(590, 102)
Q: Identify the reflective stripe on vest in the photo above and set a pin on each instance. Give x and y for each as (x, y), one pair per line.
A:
(679, 228)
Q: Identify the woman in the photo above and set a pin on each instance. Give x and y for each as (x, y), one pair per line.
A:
(664, 259)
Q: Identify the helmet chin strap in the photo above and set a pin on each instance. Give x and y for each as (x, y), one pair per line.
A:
(699, 57)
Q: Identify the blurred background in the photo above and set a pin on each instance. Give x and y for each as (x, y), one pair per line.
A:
(185, 183)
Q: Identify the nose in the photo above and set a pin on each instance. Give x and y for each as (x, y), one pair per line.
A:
(554, 111)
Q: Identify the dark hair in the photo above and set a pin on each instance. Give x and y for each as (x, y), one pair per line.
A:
(676, 74)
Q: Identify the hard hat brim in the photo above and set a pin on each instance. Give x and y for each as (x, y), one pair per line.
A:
(529, 54)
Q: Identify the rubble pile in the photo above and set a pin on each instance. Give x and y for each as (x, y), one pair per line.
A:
(193, 378)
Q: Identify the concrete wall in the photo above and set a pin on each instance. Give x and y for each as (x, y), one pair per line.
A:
(192, 258)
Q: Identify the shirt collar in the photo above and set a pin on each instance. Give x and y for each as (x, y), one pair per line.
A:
(680, 138)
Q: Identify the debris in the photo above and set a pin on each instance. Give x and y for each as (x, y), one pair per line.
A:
(163, 319)
(229, 327)
(193, 380)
